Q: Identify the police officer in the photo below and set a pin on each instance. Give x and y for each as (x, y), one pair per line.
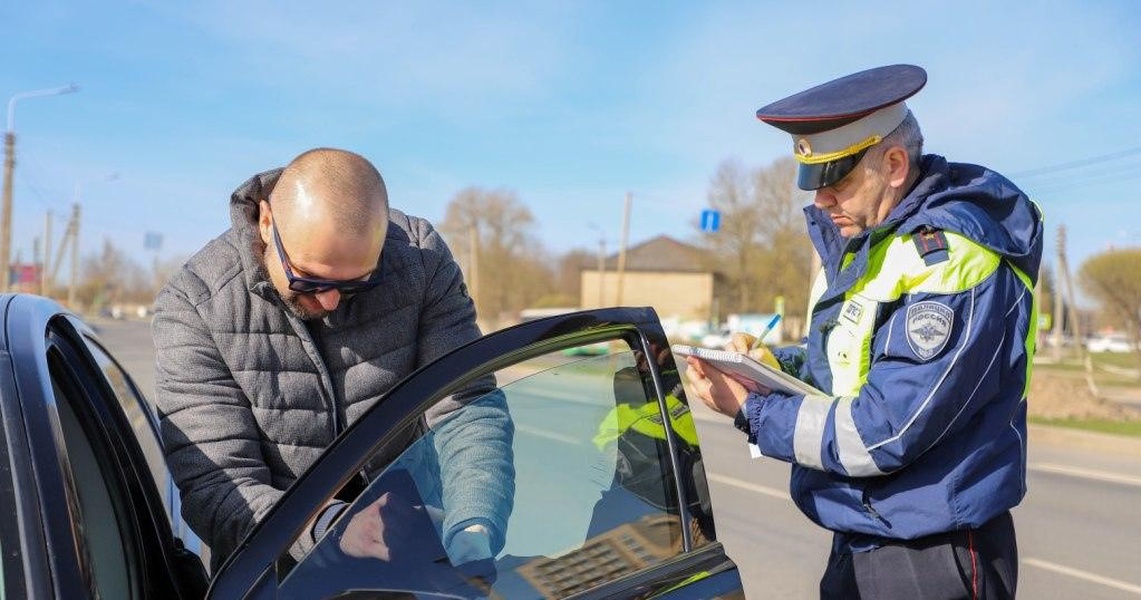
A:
(922, 326)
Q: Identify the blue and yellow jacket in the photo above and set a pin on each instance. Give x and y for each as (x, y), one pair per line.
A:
(922, 330)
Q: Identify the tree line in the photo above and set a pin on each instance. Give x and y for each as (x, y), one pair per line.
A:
(761, 255)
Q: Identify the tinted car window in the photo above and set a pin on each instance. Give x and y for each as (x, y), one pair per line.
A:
(137, 411)
(100, 533)
(593, 497)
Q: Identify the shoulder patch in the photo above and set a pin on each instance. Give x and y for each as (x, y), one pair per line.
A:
(931, 245)
(929, 327)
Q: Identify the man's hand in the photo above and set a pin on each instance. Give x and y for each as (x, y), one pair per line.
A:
(473, 543)
(379, 527)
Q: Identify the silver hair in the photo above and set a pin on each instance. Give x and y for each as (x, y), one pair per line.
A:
(907, 135)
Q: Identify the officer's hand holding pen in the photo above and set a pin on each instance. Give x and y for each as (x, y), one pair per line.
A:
(747, 344)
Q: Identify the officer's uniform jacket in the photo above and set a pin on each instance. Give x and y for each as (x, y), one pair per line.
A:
(921, 335)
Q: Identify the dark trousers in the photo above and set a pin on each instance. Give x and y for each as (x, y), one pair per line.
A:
(975, 564)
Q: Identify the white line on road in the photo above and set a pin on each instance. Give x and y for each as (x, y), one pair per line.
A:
(752, 487)
(1078, 573)
(550, 435)
(1086, 473)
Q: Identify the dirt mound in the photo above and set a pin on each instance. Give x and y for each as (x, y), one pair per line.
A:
(1055, 397)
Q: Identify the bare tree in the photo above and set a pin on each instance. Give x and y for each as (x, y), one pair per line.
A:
(490, 233)
(733, 248)
(761, 250)
(1113, 278)
(111, 276)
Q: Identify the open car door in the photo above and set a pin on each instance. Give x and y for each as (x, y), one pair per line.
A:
(585, 473)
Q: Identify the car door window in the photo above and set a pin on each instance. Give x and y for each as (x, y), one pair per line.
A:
(138, 414)
(98, 524)
(591, 495)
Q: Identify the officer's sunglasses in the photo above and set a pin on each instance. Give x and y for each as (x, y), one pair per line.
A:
(315, 285)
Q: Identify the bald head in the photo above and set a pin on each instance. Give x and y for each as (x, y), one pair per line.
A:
(333, 187)
(326, 220)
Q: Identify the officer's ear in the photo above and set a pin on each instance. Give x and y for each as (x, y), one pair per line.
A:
(898, 166)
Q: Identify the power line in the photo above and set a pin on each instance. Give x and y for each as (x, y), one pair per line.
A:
(1076, 163)
(1086, 180)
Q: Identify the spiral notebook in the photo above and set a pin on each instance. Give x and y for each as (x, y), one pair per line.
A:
(743, 366)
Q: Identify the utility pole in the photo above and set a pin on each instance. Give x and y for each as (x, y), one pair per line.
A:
(45, 266)
(6, 217)
(70, 236)
(1060, 299)
(67, 233)
(74, 258)
(9, 166)
(1071, 302)
(622, 248)
(601, 272)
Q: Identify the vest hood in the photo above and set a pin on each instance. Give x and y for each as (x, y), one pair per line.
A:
(963, 198)
(979, 204)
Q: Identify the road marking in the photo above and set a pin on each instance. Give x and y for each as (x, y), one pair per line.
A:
(1079, 574)
(1086, 473)
(550, 435)
(752, 487)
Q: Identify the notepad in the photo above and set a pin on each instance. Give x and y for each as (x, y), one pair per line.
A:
(743, 366)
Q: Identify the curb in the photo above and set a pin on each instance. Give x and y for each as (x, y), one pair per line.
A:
(1088, 440)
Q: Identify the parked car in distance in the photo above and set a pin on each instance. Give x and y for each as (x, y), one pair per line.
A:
(1111, 342)
(718, 339)
(609, 497)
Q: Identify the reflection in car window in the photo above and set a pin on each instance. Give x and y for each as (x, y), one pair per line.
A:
(594, 495)
(97, 527)
(137, 412)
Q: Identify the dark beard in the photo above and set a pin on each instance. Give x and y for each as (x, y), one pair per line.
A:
(300, 311)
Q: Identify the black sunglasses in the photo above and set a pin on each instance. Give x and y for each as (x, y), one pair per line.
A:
(315, 285)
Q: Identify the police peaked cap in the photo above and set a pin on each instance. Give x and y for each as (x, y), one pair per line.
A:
(833, 124)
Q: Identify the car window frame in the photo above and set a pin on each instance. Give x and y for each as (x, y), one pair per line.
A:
(251, 569)
(34, 328)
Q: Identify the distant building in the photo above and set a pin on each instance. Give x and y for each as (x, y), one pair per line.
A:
(671, 276)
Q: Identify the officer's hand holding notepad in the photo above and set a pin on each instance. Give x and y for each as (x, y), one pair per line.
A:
(748, 370)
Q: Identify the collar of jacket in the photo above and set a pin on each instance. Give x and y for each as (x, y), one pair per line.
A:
(832, 246)
(244, 212)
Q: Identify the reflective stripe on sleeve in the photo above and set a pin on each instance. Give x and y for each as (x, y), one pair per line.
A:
(809, 434)
(854, 455)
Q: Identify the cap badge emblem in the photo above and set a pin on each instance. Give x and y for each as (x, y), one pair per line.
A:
(803, 148)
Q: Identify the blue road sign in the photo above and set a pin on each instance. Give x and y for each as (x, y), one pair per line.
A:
(710, 220)
(152, 241)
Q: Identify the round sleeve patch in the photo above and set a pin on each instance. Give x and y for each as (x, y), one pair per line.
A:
(928, 327)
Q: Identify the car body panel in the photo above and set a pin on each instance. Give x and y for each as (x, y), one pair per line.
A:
(88, 509)
(258, 569)
(77, 472)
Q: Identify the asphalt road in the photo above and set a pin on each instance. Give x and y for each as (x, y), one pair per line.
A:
(1079, 528)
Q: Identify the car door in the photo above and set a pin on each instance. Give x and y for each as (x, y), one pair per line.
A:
(88, 517)
(584, 472)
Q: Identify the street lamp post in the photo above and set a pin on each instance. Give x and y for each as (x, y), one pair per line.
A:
(9, 165)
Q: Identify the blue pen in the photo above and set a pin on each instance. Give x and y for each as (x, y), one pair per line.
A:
(768, 328)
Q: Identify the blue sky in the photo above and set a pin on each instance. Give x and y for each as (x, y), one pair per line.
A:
(569, 104)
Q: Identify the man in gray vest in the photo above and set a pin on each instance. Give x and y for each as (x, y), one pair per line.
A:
(282, 331)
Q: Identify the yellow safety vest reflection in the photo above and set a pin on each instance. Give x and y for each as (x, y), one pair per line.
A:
(647, 420)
